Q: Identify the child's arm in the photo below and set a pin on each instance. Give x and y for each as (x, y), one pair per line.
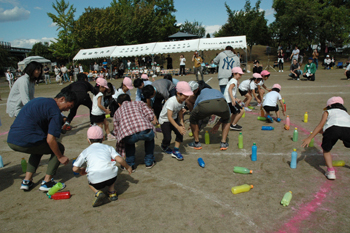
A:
(266, 88)
(233, 100)
(317, 130)
(80, 170)
(282, 107)
(101, 106)
(122, 162)
(180, 128)
(181, 117)
(253, 91)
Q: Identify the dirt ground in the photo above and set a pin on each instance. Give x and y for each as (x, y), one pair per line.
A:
(180, 196)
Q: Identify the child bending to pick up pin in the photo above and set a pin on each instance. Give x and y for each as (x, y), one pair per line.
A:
(270, 103)
(334, 125)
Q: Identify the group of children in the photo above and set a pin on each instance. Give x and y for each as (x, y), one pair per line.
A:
(101, 172)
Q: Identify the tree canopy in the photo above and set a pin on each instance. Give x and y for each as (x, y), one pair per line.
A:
(42, 49)
(194, 28)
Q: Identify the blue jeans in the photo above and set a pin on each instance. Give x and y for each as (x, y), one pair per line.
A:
(148, 137)
(222, 88)
(65, 77)
(316, 62)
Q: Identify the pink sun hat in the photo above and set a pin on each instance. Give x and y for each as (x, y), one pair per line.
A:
(102, 82)
(264, 73)
(334, 100)
(144, 76)
(276, 86)
(128, 83)
(237, 70)
(95, 132)
(184, 88)
(256, 75)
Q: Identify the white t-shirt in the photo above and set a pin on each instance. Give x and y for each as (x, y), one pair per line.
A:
(81, 69)
(260, 83)
(95, 109)
(234, 90)
(99, 166)
(64, 69)
(247, 85)
(271, 99)
(348, 68)
(182, 61)
(296, 53)
(57, 71)
(9, 76)
(58, 78)
(173, 105)
(337, 117)
(119, 92)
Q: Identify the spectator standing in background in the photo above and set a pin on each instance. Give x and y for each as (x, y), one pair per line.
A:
(182, 65)
(315, 57)
(295, 54)
(169, 62)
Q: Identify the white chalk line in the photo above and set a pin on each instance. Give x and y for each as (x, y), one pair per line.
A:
(205, 195)
(243, 153)
(317, 93)
(208, 80)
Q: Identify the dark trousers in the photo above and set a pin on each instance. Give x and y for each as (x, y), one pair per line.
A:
(85, 101)
(182, 70)
(120, 73)
(311, 77)
(167, 127)
(157, 104)
(347, 74)
(36, 152)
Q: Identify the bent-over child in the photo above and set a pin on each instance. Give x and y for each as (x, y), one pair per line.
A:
(265, 76)
(247, 87)
(270, 103)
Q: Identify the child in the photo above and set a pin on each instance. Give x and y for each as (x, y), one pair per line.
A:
(270, 103)
(125, 88)
(171, 119)
(100, 171)
(265, 75)
(247, 87)
(98, 110)
(230, 97)
(59, 78)
(334, 125)
(139, 84)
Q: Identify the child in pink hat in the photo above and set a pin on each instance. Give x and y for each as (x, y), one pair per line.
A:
(101, 172)
(124, 88)
(247, 89)
(270, 103)
(259, 90)
(334, 125)
(171, 119)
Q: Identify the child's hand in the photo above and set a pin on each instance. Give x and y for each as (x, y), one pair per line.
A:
(181, 129)
(82, 171)
(107, 111)
(129, 170)
(306, 142)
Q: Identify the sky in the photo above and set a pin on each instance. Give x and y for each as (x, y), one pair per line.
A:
(25, 22)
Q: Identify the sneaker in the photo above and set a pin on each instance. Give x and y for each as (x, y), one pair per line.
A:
(45, 186)
(110, 137)
(330, 175)
(298, 79)
(259, 104)
(236, 127)
(133, 168)
(223, 145)
(177, 155)
(195, 145)
(247, 109)
(113, 196)
(167, 150)
(278, 119)
(99, 196)
(282, 70)
(269, 119)
(150, 166)
(279, 71)
(26, 185)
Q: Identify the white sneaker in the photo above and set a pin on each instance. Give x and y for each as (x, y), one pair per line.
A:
(282, 70)
(279, 71)
(330, 175)
(247, 109)
(259, 105)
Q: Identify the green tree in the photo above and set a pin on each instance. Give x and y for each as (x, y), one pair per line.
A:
(194, 28)
(250, 22)
(208, 35)
(65, 46)
(41, 49)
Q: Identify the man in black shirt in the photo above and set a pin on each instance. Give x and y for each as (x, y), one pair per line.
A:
(169, 62)
(257, 67)
(295, 70)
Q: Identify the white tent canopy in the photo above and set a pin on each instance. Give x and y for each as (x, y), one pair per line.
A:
(23, 64)
(163, 47)
(103, 52)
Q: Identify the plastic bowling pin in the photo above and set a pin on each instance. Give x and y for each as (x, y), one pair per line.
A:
(254, 152)
(260, 118)
(306, 117)
(262, 113)
(293, 161)
(286, 198)
(243, 114)
(1, 162)
(267, 128)
(295, 135)
(207, 137)
(108, 115)
(251, 107)
(57, 187)
(338, 163)
(24, 165)
(241, 188)
(242, 170)
(287, 125)
(201, 162)
(240, 141)
(61, 195)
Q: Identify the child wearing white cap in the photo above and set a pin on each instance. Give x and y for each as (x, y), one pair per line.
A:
(100, 170)
(171, 119)
(334, 125)
(270, 103)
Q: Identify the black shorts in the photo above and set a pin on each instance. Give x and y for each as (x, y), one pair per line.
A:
(271, 109)
(331, 136)
(97, 119)
(103, 184)
(235, 109)
(243, 93)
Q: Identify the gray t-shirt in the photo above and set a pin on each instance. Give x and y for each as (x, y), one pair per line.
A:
(163, 86)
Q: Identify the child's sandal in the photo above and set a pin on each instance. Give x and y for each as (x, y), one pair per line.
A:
(113, 196)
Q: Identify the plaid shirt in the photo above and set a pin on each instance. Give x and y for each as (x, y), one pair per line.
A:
(131, 117)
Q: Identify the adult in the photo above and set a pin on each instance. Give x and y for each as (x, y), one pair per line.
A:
(129, 65)
(56, 70)
(121, 69)
(23, 89)
(81, 70)
(310, 70)
(182, 65)
(257, 67)
(64, 73)
(81, 89)
(9, 78)
(139, 83)
(70, 73)
(34, 132)
(210, 102)
(134, 121)
(95, 66)
(197, 65)
(18, 74)
(280, 60)
(76, 72)
(295, 71)
(47, 74)
(315, 57)
(295, 54)
(169, 62)
(171, 79)
(104, 64)
(226, 60)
